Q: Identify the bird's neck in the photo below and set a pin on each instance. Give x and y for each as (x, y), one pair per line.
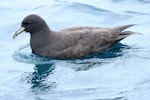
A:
(40, 42)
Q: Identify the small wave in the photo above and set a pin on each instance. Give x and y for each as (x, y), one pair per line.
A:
(89, 92)
(144, 1)
(23, 54)
(135, 13)
(86, 7)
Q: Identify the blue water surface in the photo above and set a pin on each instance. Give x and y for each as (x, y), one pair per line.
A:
(120, 73)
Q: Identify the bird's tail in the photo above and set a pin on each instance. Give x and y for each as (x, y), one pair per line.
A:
(124, 34)
(121, 28)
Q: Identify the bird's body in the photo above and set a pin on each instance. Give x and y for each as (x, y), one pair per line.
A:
(71, 43)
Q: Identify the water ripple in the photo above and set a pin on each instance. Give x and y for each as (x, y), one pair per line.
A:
(23, 54)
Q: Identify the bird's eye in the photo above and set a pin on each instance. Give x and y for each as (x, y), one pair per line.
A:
(27, 23)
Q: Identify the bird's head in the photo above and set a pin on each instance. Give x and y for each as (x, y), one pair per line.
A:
(32, 24)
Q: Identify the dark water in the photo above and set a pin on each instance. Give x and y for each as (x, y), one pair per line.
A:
(120, 73)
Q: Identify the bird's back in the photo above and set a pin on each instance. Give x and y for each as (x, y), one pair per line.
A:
(77, 42)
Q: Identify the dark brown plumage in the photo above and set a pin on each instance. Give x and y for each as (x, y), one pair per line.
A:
(70, 43)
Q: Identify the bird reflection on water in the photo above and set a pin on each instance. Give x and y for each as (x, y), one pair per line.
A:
(38, 77)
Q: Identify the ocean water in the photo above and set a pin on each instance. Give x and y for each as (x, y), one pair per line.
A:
(120, 73)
